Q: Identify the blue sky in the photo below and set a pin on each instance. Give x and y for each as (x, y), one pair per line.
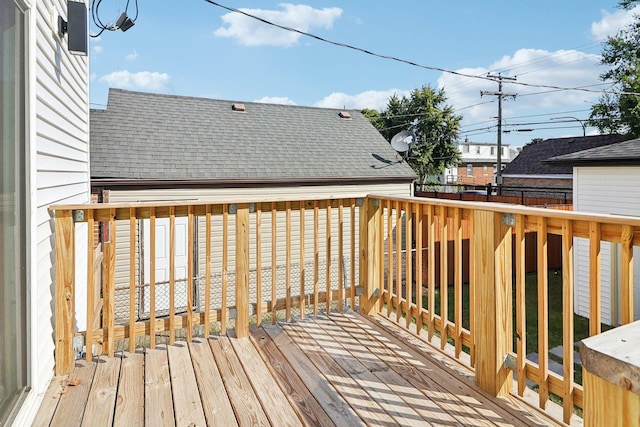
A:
(194, 48)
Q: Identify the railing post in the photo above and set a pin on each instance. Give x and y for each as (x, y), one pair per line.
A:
(242, 270)
(493, 336)
(370, 255)
(64, 291)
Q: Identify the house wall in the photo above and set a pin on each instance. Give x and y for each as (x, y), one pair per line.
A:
(252, 194)
(58, 141)
(480, 175)
(605, 190)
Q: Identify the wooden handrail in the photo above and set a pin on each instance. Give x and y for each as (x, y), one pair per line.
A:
(397, 254)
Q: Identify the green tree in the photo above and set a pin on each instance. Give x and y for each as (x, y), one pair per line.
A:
(434, 123)
(620, 112)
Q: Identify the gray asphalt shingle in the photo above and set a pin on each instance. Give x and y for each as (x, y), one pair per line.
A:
(627, 152)
(532, 160)
(167, 137)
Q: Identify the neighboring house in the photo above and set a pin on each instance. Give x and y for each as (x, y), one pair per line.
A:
(529, 169)
(606, 180)
(478, 163)
(44, 128)
(162, 147)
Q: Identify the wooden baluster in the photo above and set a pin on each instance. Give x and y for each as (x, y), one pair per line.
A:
(152, 278)
(328, 262)
(110, 291)
(274, 261)
(172, 275)
(567, 319)
(627, 273)
(207, 272)
(258, 264)
(90, 285)
(431, 265)
(521, 308)
(316, 257)
(457, 279)
(352, 265)
(132, 280)
(340, 255)
(287, 302)
(397, 296)
(190, 275)
(408, 244)
(390, 258)
(444, 276)
(543, 312)
(595, 278)
(302, 263)
(419, 231)
(225, 268)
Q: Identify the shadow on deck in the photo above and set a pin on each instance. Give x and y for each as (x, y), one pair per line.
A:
(344, 369)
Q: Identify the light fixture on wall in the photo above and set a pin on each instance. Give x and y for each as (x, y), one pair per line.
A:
(75, 27)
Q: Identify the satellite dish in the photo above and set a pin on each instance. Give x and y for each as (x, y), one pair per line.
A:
(403, 141)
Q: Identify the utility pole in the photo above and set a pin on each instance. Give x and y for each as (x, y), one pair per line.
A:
(499, 78)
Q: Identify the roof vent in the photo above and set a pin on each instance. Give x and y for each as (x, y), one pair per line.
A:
(345, 114)
(238, 107)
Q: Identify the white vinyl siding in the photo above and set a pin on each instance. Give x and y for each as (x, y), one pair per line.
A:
(58, 121)
(605, 190)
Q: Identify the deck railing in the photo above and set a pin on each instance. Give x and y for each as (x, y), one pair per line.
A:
(402, 257)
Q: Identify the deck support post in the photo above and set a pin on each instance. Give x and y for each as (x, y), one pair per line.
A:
(242, 270)
(371, 241)
(493, 336)
(64, 291)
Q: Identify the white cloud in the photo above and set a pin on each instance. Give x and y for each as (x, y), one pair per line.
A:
(97, 49)
(563, 68)
(373, 99)
(283, 100)
(132, 56)
(251, 32)
(611, 23)
(144, 80)
(92, 77)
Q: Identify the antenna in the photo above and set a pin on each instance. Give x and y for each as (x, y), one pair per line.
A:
(403, 142)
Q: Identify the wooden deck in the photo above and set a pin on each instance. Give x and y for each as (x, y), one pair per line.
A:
(343, 370)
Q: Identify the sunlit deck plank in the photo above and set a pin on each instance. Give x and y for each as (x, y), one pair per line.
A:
(264, 385)
(73, 401)
(362, 403)
(308, 408)
(186, 399)
(325, 394)
(216, 405)
(158, 402)
(102, 396)
(130, 398)
(243, 399)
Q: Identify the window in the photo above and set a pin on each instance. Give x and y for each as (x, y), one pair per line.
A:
(505, 151)
(13, 238)
(469, 169)
(465, 148)
(477, 149)
(493, 151)
(485, 168)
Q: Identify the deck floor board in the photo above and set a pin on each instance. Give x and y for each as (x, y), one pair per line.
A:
(342, 369)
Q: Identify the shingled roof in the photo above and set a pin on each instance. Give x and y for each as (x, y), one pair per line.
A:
(145, 136)
(532, 160)
(622, 153)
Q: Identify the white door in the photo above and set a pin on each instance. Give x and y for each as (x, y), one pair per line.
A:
(162, 264)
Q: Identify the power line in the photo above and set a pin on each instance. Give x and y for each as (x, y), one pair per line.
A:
(404, 61)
